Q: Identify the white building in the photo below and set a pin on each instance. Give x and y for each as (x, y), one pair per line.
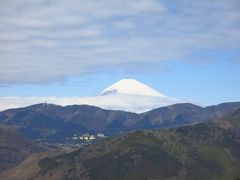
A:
(100, 135)
(92, 137)
(85, 138)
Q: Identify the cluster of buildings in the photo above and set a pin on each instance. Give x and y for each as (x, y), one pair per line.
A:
(88, 137)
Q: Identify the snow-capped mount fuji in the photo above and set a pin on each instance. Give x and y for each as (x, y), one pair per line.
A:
(132, 95)
(130, 87)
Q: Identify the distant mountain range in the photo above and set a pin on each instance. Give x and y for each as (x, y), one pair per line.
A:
(55, 123)
(205, 151)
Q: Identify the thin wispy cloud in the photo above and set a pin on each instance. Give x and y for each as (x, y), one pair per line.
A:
(48, 41)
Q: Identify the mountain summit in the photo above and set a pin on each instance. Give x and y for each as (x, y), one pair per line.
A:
(131, 95)
(130, 87)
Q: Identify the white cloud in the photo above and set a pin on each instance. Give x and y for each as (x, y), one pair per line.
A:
(46, 41)
(130, 103)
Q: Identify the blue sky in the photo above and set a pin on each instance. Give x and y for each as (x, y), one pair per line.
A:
(184, 49)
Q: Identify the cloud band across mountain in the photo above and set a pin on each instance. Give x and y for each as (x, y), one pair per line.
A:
(126, 94)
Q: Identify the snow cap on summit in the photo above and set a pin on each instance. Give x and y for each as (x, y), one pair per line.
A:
(131, 87)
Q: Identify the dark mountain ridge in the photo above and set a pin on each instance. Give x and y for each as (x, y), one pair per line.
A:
(53, 122)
